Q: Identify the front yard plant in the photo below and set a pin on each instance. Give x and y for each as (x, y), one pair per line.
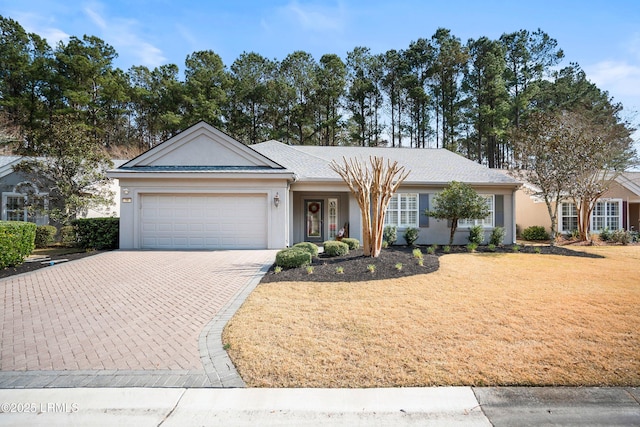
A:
(293, 258)
(334, 248)
(411, 235)
(535, 233)
(17, 240)
(351, 242)
(312, 248)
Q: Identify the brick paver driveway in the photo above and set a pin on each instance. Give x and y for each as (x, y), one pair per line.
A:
(122, 313)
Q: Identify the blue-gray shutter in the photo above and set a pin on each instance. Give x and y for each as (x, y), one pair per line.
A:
(499, 210)
(423, 204)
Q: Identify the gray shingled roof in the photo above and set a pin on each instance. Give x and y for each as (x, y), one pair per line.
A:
(438, 166)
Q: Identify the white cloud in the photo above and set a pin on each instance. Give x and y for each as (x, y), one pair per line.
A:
(41, 26)
(123, 35)
(315, 17)
(621, 75)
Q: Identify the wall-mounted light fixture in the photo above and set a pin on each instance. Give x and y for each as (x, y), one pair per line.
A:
(125, 191)
(276, 200)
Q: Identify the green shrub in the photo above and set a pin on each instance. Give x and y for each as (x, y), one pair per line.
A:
(17, 240)
(293, 258)
(411, 235)
(491, 247)
(390, 234)
(471, 247)
(67, 236)
(432, 249)
(335, 248)
(535, 232)
(351, 242)
(446, 249)
(97, 233)
(417, 253)
(497, 236)
(621, 236)
(605, 234)
(476, 235)
(312, 248)
(45, 235)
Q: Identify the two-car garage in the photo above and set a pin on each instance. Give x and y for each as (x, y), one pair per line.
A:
(203, 221)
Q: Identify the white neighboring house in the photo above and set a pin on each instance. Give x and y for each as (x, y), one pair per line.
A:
(19, 191)
(203, 189)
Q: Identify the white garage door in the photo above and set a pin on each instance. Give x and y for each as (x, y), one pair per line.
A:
(203, 221)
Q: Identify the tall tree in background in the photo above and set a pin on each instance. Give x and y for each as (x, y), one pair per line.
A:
(529, 56)
(488, 102)
(248, 102)
(449, 64)
(394, 70)
(205, 89)
(298, 70)
(363, 95)
(419, 60)
(331, 80)
(84, 67)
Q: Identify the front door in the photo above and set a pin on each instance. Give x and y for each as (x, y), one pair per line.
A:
(314, 221)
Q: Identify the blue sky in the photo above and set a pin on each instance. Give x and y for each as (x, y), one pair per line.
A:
(602, 36)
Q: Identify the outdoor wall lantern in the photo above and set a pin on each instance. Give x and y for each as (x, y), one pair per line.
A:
(276, 200)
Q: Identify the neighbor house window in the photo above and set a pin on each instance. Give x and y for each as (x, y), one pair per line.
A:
(605, 214)
(487, 221)
(25, 203)
(402, 211)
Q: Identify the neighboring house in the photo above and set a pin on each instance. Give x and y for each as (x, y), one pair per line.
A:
(23, 199)
(204, 190)
(618, 208)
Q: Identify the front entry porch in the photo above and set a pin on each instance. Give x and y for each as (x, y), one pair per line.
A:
(320, 216)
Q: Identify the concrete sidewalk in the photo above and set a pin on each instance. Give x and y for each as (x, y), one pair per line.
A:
(268, 407)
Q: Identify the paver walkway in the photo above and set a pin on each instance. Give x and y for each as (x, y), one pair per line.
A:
(132, 312)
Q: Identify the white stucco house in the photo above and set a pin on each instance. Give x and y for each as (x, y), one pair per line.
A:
(204, 190)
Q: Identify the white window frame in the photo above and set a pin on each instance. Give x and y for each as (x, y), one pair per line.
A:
(487, 222)
(606, 217)
(395, 205)
(39, 219)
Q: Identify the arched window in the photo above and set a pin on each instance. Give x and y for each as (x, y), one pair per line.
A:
(25, 203)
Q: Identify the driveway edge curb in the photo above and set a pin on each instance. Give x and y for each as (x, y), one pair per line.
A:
(217, 363)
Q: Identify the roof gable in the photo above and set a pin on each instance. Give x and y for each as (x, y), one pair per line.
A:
(199, 146)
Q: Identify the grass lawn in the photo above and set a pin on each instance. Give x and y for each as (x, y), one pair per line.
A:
(481, 319)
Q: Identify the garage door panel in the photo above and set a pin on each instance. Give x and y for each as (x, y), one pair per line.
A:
(203, 221)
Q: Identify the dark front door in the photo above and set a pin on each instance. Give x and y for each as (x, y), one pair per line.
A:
(314, 221)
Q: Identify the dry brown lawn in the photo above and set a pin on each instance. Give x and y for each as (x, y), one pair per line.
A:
(481, 319)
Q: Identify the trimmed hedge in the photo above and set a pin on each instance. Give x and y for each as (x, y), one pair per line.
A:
(293, 257)
(309, 247)
(351, 242)
(17, 240)
(335, 248)
(45, 235)
(97, 233)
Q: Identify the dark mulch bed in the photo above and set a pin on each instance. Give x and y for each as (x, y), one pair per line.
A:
(31, 266)
(355, 264)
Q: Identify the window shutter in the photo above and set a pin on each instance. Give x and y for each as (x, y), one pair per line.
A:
(625, 220)
(499, 210)
(423, 204)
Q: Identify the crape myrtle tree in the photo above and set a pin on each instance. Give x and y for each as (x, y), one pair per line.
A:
(373, 185)
(574, 146)
(458, 201)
